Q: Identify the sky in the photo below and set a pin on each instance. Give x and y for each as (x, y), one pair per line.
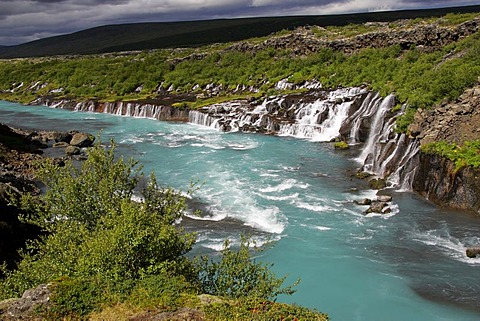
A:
(27, 20)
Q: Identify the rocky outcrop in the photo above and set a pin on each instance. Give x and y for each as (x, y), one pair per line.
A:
(380, 205)
(441, 182)
(453, 122)
(438, 178)
(305, 40)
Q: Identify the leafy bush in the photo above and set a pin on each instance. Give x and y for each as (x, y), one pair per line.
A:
(341, 145)
(236, 275)
(95, 229)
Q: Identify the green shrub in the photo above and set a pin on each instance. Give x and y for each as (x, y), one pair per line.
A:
(76, 297)
(467, 154)
(236, 275)
(108, 254)
(96, 230)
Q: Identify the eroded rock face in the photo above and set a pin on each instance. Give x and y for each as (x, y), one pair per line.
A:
(441, 182)
(438, 179)
(453, 122)
(303, 40)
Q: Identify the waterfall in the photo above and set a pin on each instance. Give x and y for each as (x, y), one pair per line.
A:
(320, 121)
(130, 109)
(376, 131)
(366, 111)
(406, 166)
(353, 114)
(199, 118)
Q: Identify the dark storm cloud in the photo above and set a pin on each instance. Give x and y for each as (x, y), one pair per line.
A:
(26, 20)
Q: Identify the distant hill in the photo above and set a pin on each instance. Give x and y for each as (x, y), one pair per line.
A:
(142, 36)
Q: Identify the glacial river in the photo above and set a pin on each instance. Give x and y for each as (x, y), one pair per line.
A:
(409, 265)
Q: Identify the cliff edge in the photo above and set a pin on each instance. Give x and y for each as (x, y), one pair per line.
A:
(439, 179)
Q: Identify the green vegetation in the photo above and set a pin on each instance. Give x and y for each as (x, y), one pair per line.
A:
(466, 155)
(233, 277)
(341, 145)
(107, 254)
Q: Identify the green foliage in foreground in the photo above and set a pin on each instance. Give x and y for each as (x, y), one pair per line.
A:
(101, 249)
(466, 155)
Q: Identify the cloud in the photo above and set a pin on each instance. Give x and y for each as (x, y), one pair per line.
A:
(26, 20)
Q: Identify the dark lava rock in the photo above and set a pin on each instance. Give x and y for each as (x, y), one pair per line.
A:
(472, 252)
(365, 201)
(377, 207)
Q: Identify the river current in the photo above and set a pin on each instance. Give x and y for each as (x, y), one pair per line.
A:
(406, 265)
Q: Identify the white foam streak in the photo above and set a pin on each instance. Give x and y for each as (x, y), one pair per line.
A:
(285, 185)
(314, 207)
(449, 245)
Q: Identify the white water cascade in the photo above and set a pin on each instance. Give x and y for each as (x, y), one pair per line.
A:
(353, 114)
(319, 121)
(377, 131)
(322, 119)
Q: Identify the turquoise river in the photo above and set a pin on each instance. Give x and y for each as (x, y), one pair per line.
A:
(409, 265)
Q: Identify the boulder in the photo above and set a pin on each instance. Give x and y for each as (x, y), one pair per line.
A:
(377, 207)
(384, 198)
(62, 137)
(72, 150)
(473, 252)
(27, 307)
(365, 201)
(82, 140)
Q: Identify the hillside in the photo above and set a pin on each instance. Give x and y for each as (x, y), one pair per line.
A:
(143, 36)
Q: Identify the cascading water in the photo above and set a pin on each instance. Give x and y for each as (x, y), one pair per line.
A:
(377, 130)
(320, 121)
(352, 114)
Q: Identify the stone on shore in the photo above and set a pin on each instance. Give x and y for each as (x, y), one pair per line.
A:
(72, 150)
(82, 140)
